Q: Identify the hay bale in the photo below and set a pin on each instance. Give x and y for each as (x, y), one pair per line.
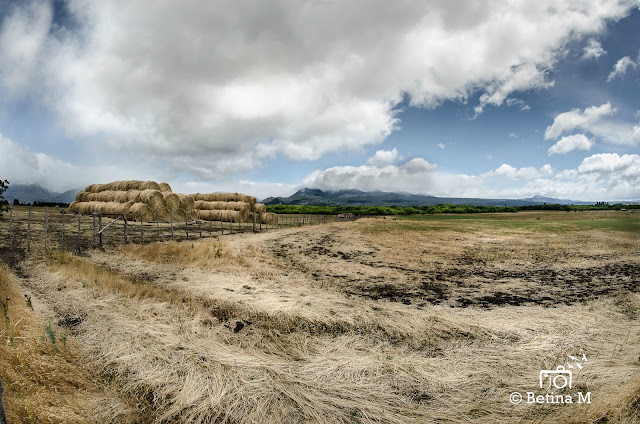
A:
(138, 209)
(165, 188)
(153, 198)
(125, 185)
(230, 206)
(187, 202)
(82, 196)
(271, 218)
(172, 200)
(108, 208)
(225, 197)
(223, 215)
(259, 208)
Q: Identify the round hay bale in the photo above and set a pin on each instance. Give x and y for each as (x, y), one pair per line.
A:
(259, 208)
(74, 206)
(225, 197)
(231, 206)
(271, 218)
(153, 198)
(165, 187)
(223, 215)
(108, 208)
(172, 200)
(140, 209)
(82, 196)
(187, 202)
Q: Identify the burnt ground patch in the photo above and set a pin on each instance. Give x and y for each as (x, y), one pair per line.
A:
(479, 286)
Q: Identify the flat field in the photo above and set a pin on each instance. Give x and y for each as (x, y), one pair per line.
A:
(423, 319)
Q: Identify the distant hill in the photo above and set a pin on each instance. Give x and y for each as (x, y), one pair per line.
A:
(29, 193)
(316, 197)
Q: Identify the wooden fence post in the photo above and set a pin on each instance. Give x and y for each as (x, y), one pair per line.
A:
(221, 227)
(210, 226)
(46, 224)
(11, 227)
(93, 230)
(254, 222)
(141, 229)
(199, 224)
(172, 224)
(124, 232)
(157, 226)
(63, 229)
(100, 227)
(29, 231)
(78, 241)
(186, 222)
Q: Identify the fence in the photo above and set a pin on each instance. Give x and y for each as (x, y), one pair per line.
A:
(30, 227)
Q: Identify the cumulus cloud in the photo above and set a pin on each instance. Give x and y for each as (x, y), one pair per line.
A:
(216, 88)
(511, 102)
(620, 68)
(593, 49)
(605, 176)
(597, 121)
(21, 165)
(577, 119)
(526, 173)
(570, 143)
(384, 158)
(441, 145)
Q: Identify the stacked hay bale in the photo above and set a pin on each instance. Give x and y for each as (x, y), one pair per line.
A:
(136, 199)
(231, 207)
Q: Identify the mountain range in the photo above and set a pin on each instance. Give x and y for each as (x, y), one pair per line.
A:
(29, 193)
(316, 197)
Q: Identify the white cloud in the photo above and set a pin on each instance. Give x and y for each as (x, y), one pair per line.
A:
(513, 135)
(384, 158)
(525, 173)
(21, 165)
(24, 33)
(576, 119)
(620, 68)
(215, 88)
(599, 177)
(517, 102)
(441, 145)
(593, 49)
(571, 142)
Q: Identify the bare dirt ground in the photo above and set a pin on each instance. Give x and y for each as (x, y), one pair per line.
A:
(391, 321)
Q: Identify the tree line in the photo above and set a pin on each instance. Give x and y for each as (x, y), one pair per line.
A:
(437, 209)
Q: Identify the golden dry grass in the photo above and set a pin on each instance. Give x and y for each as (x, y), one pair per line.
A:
(376, 321)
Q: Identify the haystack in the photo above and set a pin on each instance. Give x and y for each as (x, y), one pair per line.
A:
(229, 206)
(138, 210)
(187, 202)
(107, 208)
(259, 208)
(172, 200)
(165, 188)
(153, 199)
(225, 197)
(123, 186)
(223, 215)
(271, 218)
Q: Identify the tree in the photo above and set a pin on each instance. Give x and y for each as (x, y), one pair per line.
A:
(4, 185)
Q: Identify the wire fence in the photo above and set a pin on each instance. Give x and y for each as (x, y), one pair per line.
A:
(27, 228)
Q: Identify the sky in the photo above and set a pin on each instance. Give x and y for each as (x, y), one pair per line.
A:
(447, 98)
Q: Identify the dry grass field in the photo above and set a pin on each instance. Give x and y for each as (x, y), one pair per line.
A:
(434, 319)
